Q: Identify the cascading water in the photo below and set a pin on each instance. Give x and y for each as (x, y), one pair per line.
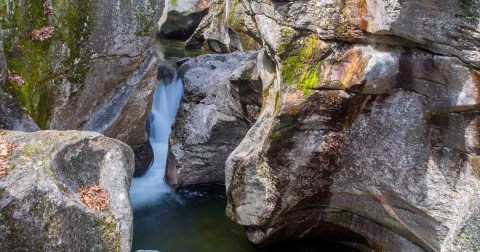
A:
(149, 188)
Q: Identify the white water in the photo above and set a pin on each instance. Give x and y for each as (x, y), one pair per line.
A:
(149, 188)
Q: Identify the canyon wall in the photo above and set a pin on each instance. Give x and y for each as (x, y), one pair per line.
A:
(369, 126)
(84, 65)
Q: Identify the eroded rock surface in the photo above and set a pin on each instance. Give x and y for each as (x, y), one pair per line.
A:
(222, 100)
(363, 135)
(40, 209)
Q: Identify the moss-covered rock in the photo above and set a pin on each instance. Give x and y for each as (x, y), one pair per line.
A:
(41, 210)
(94, 58)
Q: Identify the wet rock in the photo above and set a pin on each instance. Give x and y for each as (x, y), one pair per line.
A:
(40, 208)
(222, 100)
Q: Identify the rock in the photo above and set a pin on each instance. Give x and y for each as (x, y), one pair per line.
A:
(40, 208)
(449, 27)
(96, 71)
(222, 100)
(11, 116)
(363, 137)
(183, 18)
(226, 28)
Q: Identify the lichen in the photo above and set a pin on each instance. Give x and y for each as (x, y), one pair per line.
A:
(300, 62)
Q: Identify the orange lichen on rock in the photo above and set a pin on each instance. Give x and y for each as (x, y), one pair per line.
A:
(6, 150)
(94, 197)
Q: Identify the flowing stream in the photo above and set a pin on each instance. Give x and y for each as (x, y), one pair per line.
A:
(189, 220)
(149, 188)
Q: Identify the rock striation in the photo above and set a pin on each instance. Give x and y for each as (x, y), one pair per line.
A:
(49, 195)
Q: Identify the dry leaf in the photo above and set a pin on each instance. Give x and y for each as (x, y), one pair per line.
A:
(6, 150)
(94, 197)
(43, 33)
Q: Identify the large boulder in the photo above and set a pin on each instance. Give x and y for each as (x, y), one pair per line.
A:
(183, 17)
(364, 136)
(64, 191)
(366, 143)
(84, 65)
(222, 100)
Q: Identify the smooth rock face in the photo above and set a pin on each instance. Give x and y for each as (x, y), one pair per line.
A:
(363, 136)
(382, 145)
(222, 100)
(183, 17)
(94, 73)
(40, 209)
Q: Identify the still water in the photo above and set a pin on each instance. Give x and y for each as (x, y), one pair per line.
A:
(195, 221)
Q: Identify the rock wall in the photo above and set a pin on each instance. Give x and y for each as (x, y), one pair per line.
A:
(42, 207)
(82, 65)
(369, 127)
(222, 99)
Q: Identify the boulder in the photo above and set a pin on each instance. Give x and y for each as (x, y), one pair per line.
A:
(183, 17)
(222, 100)
(371, 142)
(85, 65)
(64, 191)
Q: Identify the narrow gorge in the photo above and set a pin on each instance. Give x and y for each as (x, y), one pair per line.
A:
(240, 125)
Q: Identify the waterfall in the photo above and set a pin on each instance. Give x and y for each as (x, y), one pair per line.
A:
(151, 187)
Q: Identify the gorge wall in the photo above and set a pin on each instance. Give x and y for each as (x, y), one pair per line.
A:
(83, 65)
(369, 126)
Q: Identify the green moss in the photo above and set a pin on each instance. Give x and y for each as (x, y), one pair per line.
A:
(300, 62)
(108, 227)
(41, 64)
(471, 9)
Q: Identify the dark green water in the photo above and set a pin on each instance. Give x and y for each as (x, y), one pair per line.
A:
(196, 222)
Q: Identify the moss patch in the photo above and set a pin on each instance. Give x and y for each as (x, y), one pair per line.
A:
(43, 64)
(471, 8)
(300, 61)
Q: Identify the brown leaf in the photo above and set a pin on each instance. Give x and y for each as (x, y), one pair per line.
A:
(6, 150)
(94, 197)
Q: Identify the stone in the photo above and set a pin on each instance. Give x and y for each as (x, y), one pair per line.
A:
(183, 18)
(222, 100)
(40, 208)
(226, 28)
(11, 115)
(363, 136)
(96, 72)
